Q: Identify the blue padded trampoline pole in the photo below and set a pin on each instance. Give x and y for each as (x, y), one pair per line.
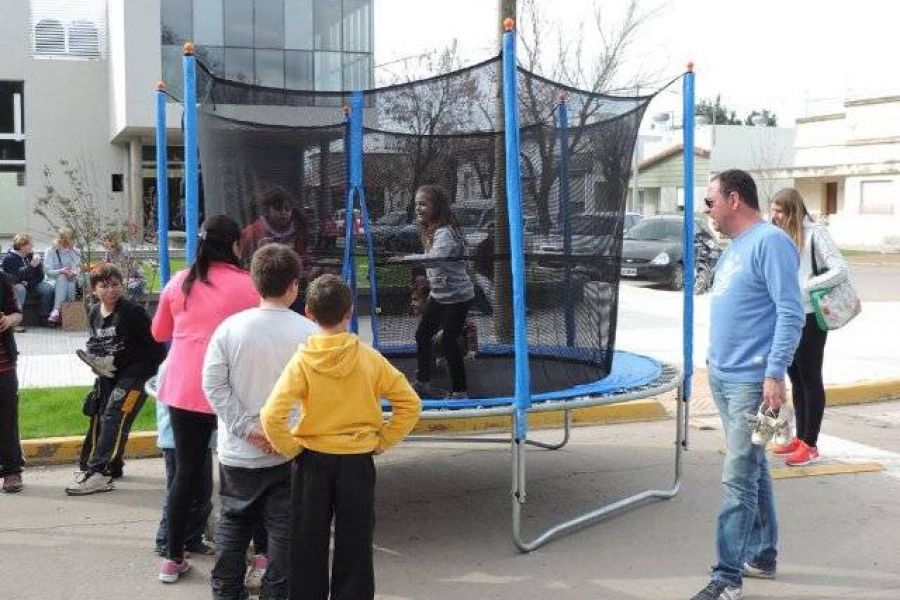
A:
(688, 317)
(357, 107)
(191, 178)
(516, 244)
(162, 185)
(564, 220)
(348, 202)
(355, 175)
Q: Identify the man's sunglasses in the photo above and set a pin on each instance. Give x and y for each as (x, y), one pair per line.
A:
(709, 201)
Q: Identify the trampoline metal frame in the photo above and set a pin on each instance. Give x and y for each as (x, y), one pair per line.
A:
(671, 378)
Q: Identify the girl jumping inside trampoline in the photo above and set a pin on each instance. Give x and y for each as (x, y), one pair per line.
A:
(451, 291)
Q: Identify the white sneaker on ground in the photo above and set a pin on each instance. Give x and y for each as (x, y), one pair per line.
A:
(90, 483)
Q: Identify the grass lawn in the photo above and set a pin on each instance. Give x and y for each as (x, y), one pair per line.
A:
(152, 275)
(53, 412)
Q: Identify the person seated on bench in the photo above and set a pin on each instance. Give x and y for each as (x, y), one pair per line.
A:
(26, 271)
(62, 262)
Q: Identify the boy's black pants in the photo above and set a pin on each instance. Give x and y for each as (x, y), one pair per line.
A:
(325, 486)
(120, 402)
(10, 447)
(251, 497)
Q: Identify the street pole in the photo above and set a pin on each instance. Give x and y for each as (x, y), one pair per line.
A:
(503, 314)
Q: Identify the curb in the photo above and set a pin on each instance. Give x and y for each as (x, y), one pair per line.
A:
(862, 392)
(59, 450)
(142, 444)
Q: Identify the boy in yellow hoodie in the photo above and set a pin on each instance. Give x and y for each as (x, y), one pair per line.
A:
(338, 384)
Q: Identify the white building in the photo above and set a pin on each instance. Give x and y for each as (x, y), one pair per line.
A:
(78, 80)
(847, 167)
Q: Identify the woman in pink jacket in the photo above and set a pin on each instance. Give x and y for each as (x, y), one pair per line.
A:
(190, 308)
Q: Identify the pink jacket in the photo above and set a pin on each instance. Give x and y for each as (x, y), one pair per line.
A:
(230, 290)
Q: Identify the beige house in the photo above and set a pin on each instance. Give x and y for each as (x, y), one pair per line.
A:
(660, 181)
(660, 187)
(847, 167)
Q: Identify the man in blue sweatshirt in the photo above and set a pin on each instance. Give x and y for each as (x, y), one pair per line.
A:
(757, 317)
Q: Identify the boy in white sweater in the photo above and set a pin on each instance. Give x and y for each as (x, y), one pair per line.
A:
(245, 357)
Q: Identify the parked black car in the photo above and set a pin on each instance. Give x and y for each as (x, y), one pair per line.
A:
(653, 250)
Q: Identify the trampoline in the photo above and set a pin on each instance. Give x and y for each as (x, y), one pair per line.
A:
(539, 172)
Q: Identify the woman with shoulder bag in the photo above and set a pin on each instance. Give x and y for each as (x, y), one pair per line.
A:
(821, 266)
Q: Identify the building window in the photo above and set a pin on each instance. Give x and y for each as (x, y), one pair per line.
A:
(297, 44)
(118, 182)
(72, 29)
(878, 197)
(49, 37)
(12, 123)
(84, 39)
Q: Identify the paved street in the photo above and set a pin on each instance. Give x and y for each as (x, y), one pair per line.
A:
(444, 528)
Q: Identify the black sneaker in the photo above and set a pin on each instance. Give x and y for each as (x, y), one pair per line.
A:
(719, 590)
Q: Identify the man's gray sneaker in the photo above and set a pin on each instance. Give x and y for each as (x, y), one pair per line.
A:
(719, 590)
(101, 365)
(751, 570)
(90, 483)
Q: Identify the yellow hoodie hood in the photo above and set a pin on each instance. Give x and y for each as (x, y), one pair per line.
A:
(331, 355)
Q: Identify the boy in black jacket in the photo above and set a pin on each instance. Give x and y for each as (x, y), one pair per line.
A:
(124, 355)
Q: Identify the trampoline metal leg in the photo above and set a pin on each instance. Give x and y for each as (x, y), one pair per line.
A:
(590, 517)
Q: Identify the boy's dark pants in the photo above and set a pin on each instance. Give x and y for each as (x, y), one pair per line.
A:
(200, 508)
(10, 449)
(342, 486)
(120, 402)
(250, 497)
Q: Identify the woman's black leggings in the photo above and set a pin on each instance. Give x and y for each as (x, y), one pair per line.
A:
(806, 380)
(450, 318)
(191, 430)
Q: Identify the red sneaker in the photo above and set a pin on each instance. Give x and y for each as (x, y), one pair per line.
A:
(803, 455)
(786, 449)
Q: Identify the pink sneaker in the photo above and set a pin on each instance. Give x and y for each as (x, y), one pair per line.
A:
(171, 570)
(803, 455)
(54, 317)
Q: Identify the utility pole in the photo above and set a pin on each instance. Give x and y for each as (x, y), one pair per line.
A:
(503, 316)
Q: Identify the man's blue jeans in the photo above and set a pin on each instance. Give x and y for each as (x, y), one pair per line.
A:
(747, 527)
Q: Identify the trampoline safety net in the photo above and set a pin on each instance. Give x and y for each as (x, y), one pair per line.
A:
(278, 161)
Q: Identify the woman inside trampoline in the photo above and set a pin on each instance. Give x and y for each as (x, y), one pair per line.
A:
(451, 291)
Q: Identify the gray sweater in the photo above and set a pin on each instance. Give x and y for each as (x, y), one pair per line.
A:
(245, 357)
(448, 279)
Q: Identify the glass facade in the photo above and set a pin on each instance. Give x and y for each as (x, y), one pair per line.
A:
(324, 45)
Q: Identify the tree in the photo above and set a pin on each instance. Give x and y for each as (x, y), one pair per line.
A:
(767, 118)
(558, 54)
(716, 112)
(71, 199)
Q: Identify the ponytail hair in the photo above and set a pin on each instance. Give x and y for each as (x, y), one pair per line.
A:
(217, 237)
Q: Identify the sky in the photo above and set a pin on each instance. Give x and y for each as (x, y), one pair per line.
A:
(795, 57)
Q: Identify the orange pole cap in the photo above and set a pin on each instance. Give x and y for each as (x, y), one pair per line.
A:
(690, 66)
(509, 24)
(188, 49)
(160, 86)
